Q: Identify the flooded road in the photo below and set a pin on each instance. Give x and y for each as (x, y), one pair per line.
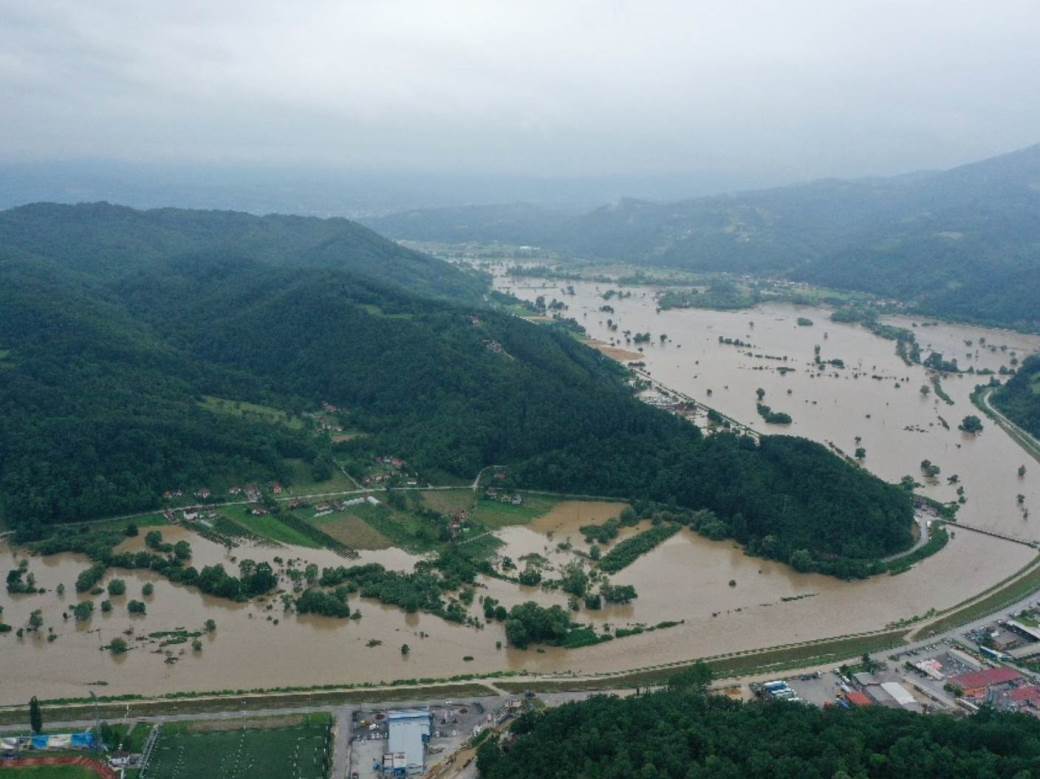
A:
(875, 402)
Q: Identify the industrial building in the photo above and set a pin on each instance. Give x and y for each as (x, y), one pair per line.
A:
(408, 733)
(899, 693)
(978, 683)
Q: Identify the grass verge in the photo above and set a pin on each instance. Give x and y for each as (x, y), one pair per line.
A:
(493, 514)
(269, 527)
(770, 660)
(352, 531)
(448, 501)
(1003, 595)
(241, 702)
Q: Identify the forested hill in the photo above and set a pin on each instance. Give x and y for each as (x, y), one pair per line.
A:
(106, 375)
(106, 241)
(961, 243)
(680, 735)
(1019, 399)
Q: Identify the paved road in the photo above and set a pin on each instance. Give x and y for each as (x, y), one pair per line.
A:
(341, 732)
(474, 485)
(922, 539)
(1029, 443)
(735, 423)
(236, 713)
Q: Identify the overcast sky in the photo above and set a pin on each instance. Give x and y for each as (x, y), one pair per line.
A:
(789, 89)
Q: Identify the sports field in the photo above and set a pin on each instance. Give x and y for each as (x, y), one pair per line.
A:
(279, 748)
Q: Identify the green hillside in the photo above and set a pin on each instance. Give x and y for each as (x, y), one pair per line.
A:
(108, 374)
(1019, 399)
(105, 240)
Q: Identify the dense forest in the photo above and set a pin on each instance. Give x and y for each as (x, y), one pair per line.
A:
(104, 240)
(106, 367)
(1019, 398)
(961, 243)
(682, 734)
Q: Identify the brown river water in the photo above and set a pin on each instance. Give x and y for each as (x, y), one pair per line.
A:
(686, 578)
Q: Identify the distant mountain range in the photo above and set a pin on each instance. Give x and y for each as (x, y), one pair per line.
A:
(963, 243)
(330, 190)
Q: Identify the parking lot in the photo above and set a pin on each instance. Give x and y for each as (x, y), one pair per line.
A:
(818, 690)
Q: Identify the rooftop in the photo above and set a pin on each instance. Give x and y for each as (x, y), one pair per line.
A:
(406, 714)
(1029, 694)
(986, 678)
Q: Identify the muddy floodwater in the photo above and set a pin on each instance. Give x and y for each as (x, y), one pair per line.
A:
(875, 397)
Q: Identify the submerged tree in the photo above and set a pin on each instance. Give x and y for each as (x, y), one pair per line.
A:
(971, 424)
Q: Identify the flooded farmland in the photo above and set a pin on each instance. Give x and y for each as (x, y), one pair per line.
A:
(724, 599)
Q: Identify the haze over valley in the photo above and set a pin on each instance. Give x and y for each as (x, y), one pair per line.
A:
(643, 390)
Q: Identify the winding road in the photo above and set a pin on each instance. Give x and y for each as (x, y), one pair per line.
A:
(1022, 437)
